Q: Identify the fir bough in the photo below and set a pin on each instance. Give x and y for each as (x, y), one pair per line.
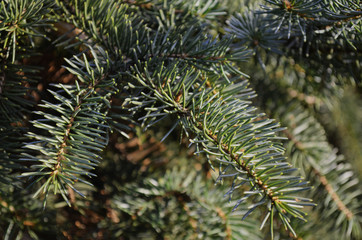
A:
(177, 71)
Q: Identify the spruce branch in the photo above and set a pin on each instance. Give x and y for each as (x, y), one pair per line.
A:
(294, 13)
(315, 17)
(227, 127)
(332, 175)
(180, 11)
(71, 143)
(251, 29)
(143, 40)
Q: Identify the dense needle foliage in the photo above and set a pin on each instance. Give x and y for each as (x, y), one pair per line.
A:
(171, 119)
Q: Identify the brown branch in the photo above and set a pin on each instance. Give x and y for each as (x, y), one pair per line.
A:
(147, 5)
(222, 215)
(2, 80)
(237, 158)
(334, 195)
(329, 188)
(310, 100)
(189, 57)
(288, 6)
(62, 149)
(250, 173)
(192, 221)
(182, 198)
(135, 3)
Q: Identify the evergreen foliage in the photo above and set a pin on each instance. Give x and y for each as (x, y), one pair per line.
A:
(117, 117)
